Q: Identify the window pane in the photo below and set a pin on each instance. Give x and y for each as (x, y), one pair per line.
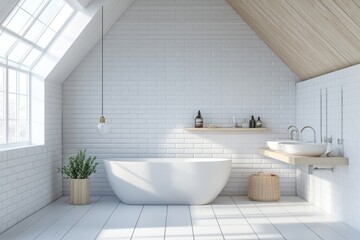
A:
(23, 110)
(61, 18)
(18, 52)
(22, 131)
(12, 106)
(20, 21)
(31, 57)
(12, 131)
(12, 81)
(23, 83)
(46, 38)
(50, 11)
(35, 31)
(6, 42)
(17, 120)
(33, 6)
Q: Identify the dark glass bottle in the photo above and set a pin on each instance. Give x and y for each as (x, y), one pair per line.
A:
(199, 121)
(252, 122)
(258, 123)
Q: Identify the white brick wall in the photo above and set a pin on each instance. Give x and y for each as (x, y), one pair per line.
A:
(338, 192)
(28, 178)
(164, 60)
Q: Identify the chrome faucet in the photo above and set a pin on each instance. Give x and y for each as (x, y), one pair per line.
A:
(310, 128)
(292, 132)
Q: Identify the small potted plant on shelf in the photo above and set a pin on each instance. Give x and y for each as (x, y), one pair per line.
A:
(78, 170)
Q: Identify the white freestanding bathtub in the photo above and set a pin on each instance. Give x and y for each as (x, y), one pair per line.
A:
(167, 181)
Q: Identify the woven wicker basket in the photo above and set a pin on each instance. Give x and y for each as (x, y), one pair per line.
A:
(264, 187)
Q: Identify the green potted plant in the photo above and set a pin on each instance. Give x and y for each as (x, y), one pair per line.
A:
(78, 170)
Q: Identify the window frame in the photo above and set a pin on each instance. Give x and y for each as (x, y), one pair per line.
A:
(6, 145)
(35, 114)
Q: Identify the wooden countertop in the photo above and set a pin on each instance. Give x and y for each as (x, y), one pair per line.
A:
(304, 160)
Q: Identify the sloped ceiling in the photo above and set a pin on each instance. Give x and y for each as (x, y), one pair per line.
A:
(312, 37)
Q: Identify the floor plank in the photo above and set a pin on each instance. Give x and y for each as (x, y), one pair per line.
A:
(341, 228)
(23, 227)
(232, 223)
(289, 226)
(312, 217)
(121, 224)
(93, 221)
(151, 224)
(59, 228)
(178, 223)
(204, 222)
(258, 221)
(344, 230)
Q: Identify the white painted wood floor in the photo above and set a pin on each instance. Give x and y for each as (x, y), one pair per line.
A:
(226, 218)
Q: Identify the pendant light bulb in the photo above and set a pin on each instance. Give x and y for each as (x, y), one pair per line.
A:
(102, 127)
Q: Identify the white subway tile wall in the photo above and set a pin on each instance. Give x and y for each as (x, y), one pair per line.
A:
(336, 193)
(163, 61)
(28, 177)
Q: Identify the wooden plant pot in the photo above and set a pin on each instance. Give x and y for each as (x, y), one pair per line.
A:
(80, 191)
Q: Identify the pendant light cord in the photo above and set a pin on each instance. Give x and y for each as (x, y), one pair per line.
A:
(102, 60)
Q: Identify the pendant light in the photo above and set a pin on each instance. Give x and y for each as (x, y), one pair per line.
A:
(102, 127)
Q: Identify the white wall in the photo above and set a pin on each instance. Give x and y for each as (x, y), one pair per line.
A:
(336, 193)
(164, 60)
(28, 178)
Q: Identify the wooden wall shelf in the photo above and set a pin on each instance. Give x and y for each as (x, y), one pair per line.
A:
(226, 129)
(304, 160)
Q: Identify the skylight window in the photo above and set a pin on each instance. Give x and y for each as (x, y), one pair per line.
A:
(19, 21)
(6, 43)
(35, 31)
(30, 27)
(18, 52)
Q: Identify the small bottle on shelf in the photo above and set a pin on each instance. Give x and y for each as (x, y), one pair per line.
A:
(258, 123)
(199, 121)
(252, 122)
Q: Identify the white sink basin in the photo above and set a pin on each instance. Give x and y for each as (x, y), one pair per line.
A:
(274, 144)
(303, 149)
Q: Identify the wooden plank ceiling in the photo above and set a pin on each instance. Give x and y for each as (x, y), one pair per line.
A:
(312, 37)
